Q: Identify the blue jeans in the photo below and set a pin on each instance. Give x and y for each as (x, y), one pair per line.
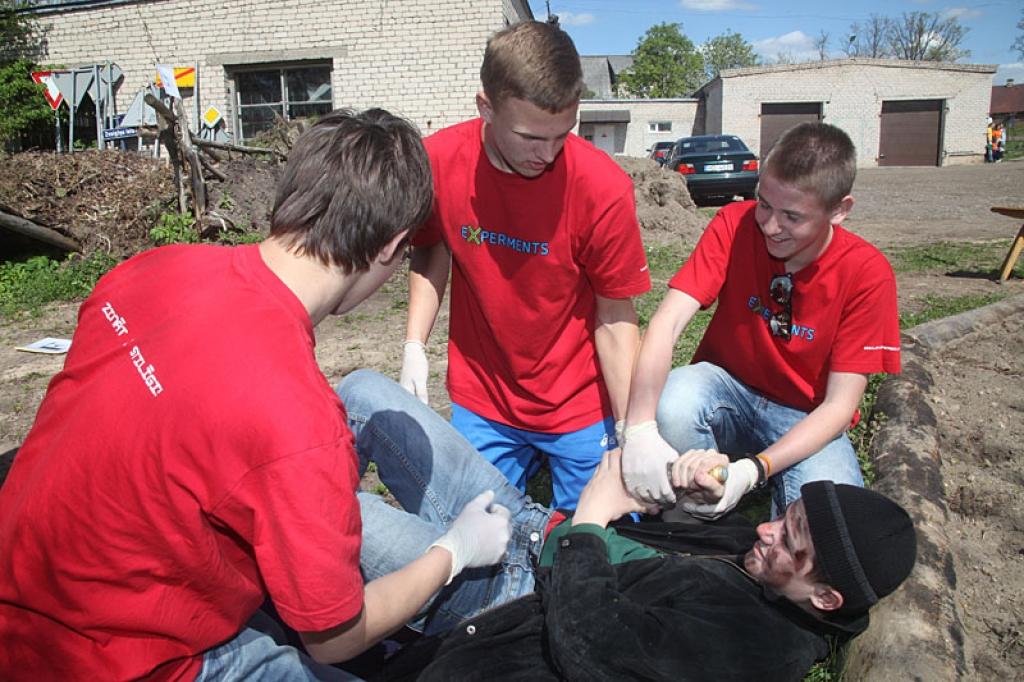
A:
(433, 472)
(703, 406)
(258, 653)
(517, 453)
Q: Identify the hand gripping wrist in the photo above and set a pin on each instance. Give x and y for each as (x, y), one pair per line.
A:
(644, 464)
(742, 478)
(478, 536)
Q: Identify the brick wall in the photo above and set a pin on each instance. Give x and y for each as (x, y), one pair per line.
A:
(635, 137)
(417, 58)
(852, 92)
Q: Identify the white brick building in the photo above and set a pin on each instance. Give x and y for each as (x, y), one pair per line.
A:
(631, 126)
(896, 112)
(417, 58)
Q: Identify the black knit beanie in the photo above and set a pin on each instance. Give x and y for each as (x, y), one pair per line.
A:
(864, 543)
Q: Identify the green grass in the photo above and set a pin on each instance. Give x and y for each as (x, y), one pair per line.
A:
(943, 306)
(965, 258)
(1015, 147)
(25, 286)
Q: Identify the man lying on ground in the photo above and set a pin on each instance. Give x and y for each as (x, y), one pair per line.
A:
(651, 600)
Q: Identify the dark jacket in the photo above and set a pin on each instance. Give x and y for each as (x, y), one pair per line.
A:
(679, 616)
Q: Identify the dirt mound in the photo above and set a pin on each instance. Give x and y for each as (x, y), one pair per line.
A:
(663, 204)
(246, 198)
(106, 200)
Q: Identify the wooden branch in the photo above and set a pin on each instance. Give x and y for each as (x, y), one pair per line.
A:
(191, 158)
(213, 170)
(200, 142)
(159, 106)
(38, 232)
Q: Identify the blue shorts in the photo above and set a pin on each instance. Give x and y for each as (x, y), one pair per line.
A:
(519, 454)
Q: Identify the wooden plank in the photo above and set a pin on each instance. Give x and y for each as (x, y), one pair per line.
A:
(1012, 256)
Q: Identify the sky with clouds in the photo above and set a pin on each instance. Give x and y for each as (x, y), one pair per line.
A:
(784, 26)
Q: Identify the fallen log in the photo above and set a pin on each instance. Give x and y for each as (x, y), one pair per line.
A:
(38, 232)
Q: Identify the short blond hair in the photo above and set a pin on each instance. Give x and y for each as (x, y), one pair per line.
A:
(534, 61)
(817, 158)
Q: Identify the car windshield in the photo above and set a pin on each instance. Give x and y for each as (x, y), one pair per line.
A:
(711, 145)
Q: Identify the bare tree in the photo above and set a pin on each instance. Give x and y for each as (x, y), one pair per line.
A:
(821, 44)
(926, 36)
(1018, 44)
(869, 39)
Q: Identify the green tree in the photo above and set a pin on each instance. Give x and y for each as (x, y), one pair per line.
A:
(726, 51)
(21, 99)
(927, 36)
(665, 64)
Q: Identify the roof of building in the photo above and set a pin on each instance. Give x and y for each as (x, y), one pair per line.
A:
(858, 61)
(1007, 99)
(601, 72)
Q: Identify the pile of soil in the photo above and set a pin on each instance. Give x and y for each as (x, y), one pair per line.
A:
(979, 403)
(105, 200)
(663, 204)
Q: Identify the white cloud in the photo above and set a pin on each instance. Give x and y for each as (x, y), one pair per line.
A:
(961, 13)
(715, 5)
(795, 45)
(1014, 71)
(571, 19)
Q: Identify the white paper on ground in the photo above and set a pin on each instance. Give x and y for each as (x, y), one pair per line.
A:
(47, 345)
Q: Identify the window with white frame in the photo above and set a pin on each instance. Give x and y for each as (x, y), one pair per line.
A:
(660, 126)
(289, 92)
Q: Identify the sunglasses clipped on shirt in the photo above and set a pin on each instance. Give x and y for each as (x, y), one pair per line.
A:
(781, 291)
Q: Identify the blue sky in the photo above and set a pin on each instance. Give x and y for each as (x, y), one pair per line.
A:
(790, 26)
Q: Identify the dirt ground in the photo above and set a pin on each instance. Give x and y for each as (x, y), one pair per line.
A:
(978, 399)
(978, 393)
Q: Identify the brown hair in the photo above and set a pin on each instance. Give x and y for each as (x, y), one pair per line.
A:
(817, 158)
(535, 61)
(352, 182)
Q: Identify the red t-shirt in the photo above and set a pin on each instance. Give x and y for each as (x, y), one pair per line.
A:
(844, 310)
(528, 258)
(189, 461)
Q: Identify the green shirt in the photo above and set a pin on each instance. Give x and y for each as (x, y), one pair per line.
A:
(620, 549)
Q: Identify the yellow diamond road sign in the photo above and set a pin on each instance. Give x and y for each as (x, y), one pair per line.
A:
(212, 116)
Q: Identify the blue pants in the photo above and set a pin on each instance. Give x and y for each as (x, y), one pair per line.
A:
(518, 453)
(432, 471)
(703, 406)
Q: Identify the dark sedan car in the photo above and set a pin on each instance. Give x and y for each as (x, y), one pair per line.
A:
(715, 166)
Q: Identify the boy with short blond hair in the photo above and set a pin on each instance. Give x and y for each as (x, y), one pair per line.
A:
(539, 228)
(806, 311)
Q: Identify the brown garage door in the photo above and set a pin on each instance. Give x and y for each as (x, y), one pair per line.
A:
(910, 133)
(777, 118)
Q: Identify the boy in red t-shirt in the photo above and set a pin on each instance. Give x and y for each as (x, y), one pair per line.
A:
(806, 311)
(191, 462)
(540, 232)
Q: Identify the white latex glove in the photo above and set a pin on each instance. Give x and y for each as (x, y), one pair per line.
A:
(742, 479)
(415, 369)
(478, 536)
(645, 460)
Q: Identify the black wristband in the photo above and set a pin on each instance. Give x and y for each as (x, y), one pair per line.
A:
(762, 475)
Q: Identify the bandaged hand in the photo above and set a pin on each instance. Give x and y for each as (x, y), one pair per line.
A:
(415, 369)
(478, 536)
(742, 479)
(645, 460)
